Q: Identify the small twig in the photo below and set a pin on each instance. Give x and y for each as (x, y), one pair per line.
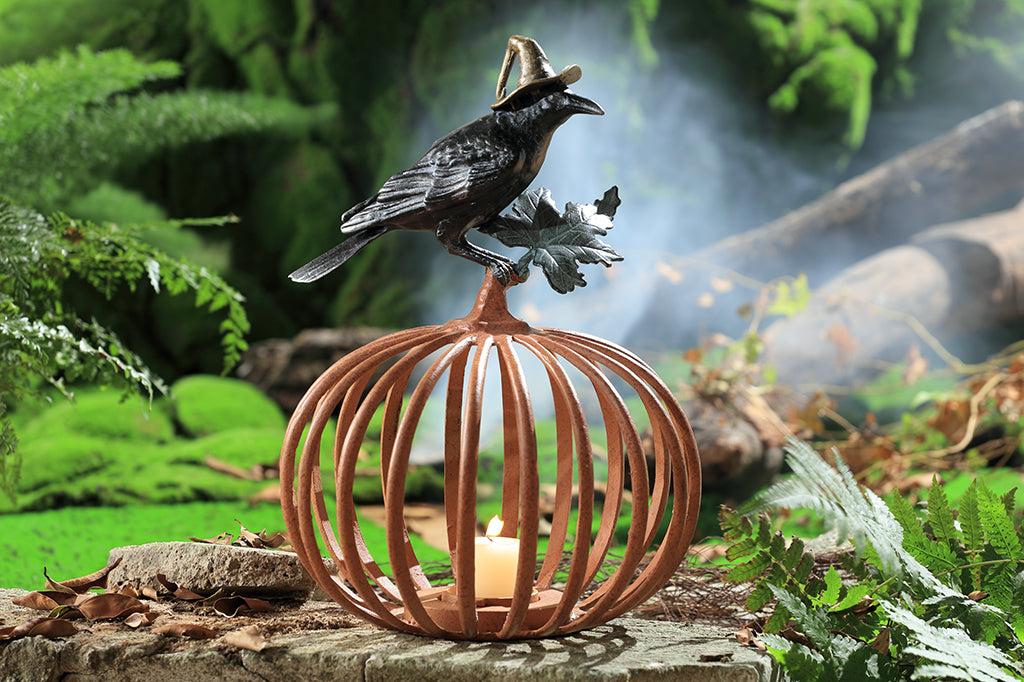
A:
(972, 421)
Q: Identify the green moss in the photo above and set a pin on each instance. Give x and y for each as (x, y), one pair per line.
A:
(209, 404)
(103, 414)
(240, 447)
(75, 542)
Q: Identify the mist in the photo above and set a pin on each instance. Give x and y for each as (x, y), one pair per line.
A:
(696, 159)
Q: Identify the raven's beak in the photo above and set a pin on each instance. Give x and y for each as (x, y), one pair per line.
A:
(582, 105)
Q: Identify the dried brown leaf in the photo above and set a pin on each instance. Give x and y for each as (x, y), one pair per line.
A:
(232, 606)
(246, 638)
(110, 606)
(190, 630)
(44, 601)
(129, 591)
(40, 626)
(221, 539)
(951, 419)
(97, 579)
(881, 641)
(55, 586)
(139, 618)
(259, 540)
(177, 590)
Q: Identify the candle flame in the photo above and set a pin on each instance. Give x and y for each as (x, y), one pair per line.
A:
(494, 527)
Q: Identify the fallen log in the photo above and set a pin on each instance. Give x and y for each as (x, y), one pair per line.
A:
(977, 166)
(953, 280)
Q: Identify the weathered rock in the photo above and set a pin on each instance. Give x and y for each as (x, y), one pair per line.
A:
(205, 568)
(624, 649)
(284, 369)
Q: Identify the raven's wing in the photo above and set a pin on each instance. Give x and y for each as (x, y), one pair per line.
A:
(459, 169)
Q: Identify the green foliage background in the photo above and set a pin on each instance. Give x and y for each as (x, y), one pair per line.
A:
(392, 67)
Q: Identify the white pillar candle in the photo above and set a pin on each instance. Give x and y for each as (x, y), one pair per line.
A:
(496, 562)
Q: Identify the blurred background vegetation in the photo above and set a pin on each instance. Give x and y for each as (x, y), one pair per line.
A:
(341, 94)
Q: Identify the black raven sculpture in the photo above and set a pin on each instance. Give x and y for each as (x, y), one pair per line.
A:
(471, 174)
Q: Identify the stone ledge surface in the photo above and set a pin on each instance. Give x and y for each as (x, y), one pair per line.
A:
(624, 649)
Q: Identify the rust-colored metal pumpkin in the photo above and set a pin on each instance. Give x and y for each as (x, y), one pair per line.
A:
(547, 598)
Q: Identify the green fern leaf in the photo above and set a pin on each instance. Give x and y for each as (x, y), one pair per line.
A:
(760, 596)
(779, 619)
(913, 534)
(952, 649)
(748, 570)
(813, 621)
(854, 596)
(940, 517)
(804, 568)
(801, 662)
(741, 549)
(777, 547)
(832, 585)
(970, 520)
(1009, 500)
(997, 525)
(793, 554)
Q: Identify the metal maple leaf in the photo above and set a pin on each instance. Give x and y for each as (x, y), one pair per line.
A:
(555, 240)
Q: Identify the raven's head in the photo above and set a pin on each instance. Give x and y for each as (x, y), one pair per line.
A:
(566, 102)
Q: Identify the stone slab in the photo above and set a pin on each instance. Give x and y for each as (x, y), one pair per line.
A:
(624, 649)
(205, 568)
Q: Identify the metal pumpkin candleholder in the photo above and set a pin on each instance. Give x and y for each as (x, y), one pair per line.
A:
(545, 597)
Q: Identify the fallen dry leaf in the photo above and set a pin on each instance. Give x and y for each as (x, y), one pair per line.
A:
(259, 540)
(246, 638)
(138, 618)
(110, 606)
(83, 584)
(55, 586)
(232, 606)
(881, 642)
(177, 590)
(45, 601)
(190, 630)
(221, 539)
(41, 626)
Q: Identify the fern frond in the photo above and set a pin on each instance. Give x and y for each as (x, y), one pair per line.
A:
(68, 123)
(940, 517)
(857, 512)
(68, 82)
(952, 650)
(997, 524)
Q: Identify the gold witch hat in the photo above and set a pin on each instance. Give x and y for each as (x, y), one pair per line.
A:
(534, 70)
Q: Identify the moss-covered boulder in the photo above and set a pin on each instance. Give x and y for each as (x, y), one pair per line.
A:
(103, 414)
(205, 405)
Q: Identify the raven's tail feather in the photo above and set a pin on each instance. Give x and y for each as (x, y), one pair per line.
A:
(327, 262)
